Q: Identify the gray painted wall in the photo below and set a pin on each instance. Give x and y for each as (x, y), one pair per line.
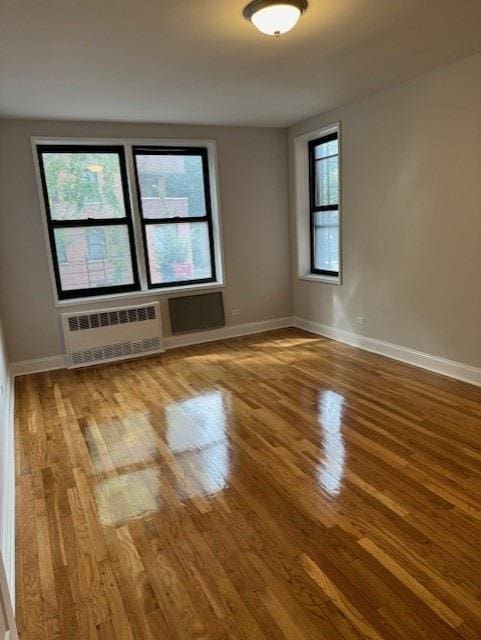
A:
(254, 215)
(411, 216)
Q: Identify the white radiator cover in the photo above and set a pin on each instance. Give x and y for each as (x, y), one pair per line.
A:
(108, 335)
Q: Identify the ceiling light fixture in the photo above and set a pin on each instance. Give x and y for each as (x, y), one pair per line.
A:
(274, 17)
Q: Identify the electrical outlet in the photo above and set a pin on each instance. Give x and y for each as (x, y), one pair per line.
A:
(360, 320)
(234, 312)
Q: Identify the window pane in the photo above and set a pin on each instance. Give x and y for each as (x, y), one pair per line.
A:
(91, 257)
(171, 185)
(97, 249)
(83, 185)
(178, 252)
(326, 219)
(326, 241)
(327, 181)
(325, 149)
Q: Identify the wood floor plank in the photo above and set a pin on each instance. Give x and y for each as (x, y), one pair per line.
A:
(411, 583)
(279, 486)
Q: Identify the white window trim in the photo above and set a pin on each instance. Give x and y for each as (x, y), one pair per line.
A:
(128, 143)
(302, 205)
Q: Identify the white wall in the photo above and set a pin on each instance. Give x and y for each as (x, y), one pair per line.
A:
(253, 198)
(5, 448)
(7, 478)
(3, 371)
(411, 216)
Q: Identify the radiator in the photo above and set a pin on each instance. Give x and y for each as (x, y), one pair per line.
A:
(112, 334)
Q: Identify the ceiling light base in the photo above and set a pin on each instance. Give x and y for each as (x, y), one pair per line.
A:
(274, 17)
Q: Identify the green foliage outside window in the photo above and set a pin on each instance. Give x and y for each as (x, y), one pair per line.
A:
(73, 186)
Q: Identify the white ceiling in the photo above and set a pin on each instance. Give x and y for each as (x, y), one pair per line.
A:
(200, 61)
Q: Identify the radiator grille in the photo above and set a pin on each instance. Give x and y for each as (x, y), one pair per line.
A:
(115, 351)
(106, 335)
(110, 318)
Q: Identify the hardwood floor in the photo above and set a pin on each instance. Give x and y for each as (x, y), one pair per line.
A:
(273, 486)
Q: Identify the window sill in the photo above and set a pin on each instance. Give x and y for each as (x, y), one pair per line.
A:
(131, 295)
(312, 277)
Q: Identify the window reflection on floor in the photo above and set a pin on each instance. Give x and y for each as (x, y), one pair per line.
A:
(115, 444)
(331, 469)
(196, 435)
(128, 496)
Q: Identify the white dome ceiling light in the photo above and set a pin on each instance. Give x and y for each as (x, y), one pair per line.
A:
(275, 17)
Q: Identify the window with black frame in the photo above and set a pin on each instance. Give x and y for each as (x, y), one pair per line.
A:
(324, 205)
(89, 220)
(175, 206)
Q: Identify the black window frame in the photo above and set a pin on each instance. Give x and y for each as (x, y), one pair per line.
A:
(161, 150)
(126, 221)
(313, 208)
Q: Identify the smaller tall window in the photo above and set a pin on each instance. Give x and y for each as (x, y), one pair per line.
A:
(324, 204)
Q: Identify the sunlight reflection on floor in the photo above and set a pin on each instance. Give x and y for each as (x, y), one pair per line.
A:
(131, 495)
(331, 469)
(196, 435)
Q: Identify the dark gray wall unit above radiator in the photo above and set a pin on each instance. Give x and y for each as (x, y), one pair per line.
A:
(194, 313)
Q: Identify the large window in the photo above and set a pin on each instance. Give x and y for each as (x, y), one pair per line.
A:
(324, 205)
(95, 245)
(89, 220)
(174, 203)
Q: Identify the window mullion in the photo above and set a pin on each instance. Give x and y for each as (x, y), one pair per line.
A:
(137, 222)
(325, 208)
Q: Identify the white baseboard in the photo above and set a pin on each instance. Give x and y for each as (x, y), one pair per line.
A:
(420, 359)
(51, 363)
(7, 493)
(37, 365)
